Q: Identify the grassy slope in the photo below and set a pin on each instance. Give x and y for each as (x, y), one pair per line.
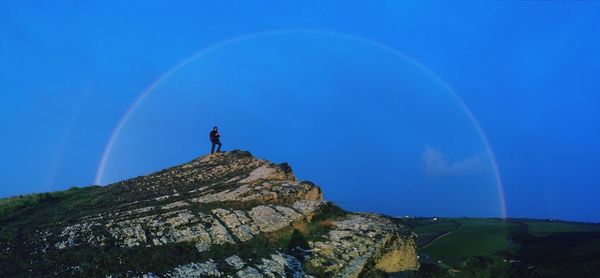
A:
(430, 232)
(18, 215)
(479, 247)
(541, 228)
(472, 238)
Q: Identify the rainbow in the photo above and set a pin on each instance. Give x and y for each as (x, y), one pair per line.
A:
(148, 90)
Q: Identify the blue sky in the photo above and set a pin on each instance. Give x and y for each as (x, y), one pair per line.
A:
(378, 131)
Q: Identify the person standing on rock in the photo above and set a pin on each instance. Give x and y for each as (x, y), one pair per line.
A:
(215, 139)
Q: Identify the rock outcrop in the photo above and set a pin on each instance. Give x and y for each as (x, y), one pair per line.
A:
(222, 215)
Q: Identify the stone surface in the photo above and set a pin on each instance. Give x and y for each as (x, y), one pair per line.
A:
(363, 239)
(201, 212)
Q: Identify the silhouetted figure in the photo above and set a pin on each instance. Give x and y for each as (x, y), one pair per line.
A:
(215, 139)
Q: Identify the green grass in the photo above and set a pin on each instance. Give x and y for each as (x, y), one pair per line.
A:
(430, 231)
(472, 238)
(23, 214)
(8, 205)
(589, 247)
(479, 248)
(539, 228)
(41, 209)
(437, 227)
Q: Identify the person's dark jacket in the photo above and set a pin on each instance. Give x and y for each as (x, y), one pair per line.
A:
(214, 136)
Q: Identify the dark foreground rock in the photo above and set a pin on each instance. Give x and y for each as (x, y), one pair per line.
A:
(222, 215)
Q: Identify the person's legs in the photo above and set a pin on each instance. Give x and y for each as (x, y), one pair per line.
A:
(212, 149)
(219, 148)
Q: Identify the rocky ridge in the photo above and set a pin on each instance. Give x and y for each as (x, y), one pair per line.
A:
(222, 215)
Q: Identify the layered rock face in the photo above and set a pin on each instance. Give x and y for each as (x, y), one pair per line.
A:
(222, 215)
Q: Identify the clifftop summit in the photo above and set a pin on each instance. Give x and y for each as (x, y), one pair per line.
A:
(222, 215)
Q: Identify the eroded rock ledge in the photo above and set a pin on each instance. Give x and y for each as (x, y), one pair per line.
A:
(222, 215)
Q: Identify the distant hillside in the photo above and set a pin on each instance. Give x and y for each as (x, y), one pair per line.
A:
(222, 215)
(488, 247)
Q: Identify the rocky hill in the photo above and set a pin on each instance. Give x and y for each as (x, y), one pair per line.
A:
(223, 215)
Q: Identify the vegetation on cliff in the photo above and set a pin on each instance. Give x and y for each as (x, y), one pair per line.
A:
(227, 214)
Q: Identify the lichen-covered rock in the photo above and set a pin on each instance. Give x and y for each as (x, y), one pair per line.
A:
(223, 215)
(206, 269)
(362, 241)
(235, 262)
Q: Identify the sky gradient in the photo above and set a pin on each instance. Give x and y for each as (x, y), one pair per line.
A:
(358, 97)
